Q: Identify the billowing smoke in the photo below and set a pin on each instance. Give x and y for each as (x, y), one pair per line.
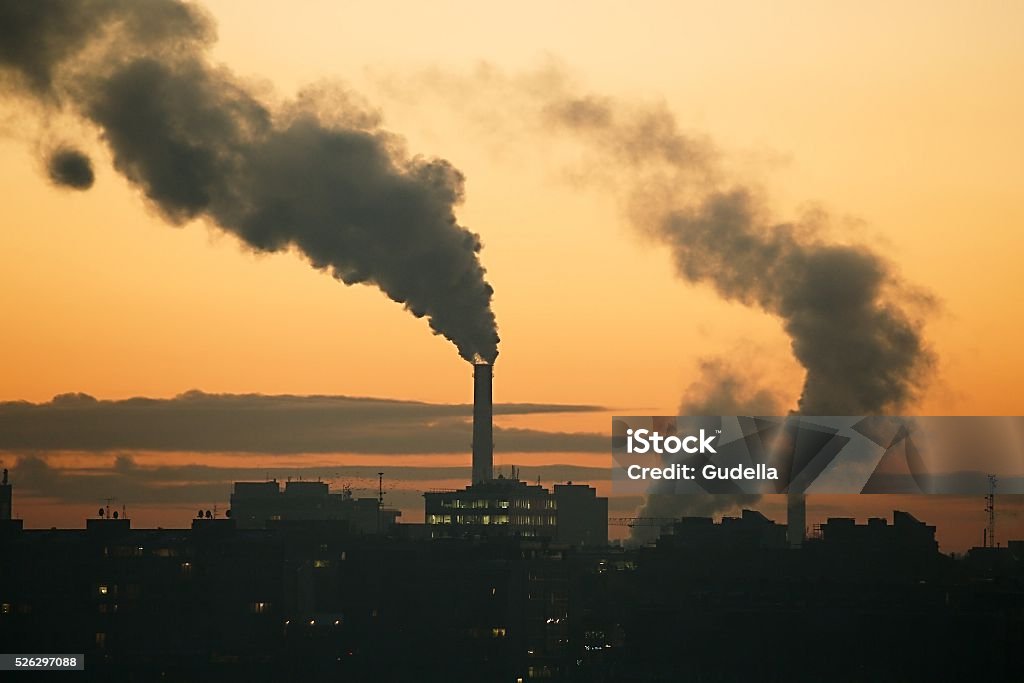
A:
(316, 174)
(719, 389)
(851, 322)
(70, 167)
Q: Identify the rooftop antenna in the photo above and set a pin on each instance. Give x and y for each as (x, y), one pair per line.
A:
(109, 500)
(990, 508)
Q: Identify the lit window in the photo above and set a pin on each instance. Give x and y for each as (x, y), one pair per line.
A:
(320, 564)
(5, 608)
(259, 607)
(498, 632)
(101, 640)
(104, 590)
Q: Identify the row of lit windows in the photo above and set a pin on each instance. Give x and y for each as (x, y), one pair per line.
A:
(519, 520)
(519, 503)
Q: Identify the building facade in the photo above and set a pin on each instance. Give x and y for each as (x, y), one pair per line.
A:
(572, 513)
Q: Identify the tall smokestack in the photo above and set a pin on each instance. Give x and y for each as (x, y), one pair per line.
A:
(5, 498)
(796, 518)
(483, 429)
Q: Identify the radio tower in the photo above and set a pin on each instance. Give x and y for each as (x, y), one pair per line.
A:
(990, 508)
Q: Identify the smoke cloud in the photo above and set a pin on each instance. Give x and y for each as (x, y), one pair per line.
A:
(848, 316)
(718, 389)
(850, 319)
(70, 168)
(317, 174)
(721, 389)
(855, 327)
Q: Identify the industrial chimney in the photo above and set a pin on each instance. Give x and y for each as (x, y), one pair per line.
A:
(796, 518)
(483, 429)
(5, 498)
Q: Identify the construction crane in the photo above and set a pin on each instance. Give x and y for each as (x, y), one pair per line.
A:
(990, 508)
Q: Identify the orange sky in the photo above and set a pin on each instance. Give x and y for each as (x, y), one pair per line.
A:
(904, 121)
(909, 124)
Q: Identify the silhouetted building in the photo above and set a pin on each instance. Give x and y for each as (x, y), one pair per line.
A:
(254, 504)
(751, 530)
(581, 515)
(906, 534)
(573, 514)
(309, 600)
(507, 507)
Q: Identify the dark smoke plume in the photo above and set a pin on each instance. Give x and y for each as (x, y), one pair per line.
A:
(316, 174)
(850, 320)
(848, 316)
(70, 168)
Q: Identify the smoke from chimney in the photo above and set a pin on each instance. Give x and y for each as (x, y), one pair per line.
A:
(852, 322)
(316, 174)
(850, 319)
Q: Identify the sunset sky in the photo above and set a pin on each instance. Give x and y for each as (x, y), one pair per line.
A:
(902, 122)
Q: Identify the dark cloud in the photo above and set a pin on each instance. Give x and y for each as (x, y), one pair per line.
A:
(70, 168)
(253, 423)
(316, 174)
(132, 482)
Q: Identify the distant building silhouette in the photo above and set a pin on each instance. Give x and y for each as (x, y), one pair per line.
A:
(254, 504)
(572, 514)
(752, 530)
